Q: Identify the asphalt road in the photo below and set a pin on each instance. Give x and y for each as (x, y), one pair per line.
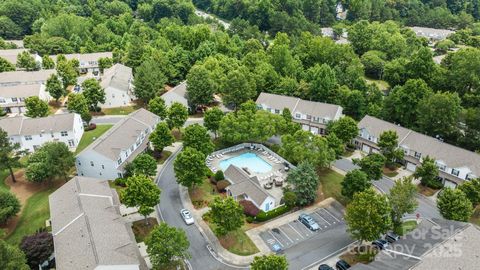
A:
(169, 211)
(426, 208)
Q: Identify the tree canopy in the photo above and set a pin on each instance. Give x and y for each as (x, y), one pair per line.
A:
(166, 244)
(227, 214)
(189, 167)
(304, 183)
(453, 204)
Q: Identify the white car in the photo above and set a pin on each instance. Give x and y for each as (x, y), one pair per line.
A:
(187, 217)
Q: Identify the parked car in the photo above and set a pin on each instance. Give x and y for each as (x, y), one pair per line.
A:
(324, 267)
(391, 237)
(187, 217)
(342, 265)
(380, 244)
(308, 221)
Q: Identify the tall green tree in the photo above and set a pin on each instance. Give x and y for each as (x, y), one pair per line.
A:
(68, 72)
(200, 87)
(149, 80)
(428, 173)
(372, 165)
(227, 214)
(304, 182)
(26, 61)
(54, 87)
(421, 65)
(161, 137)
(269, 262)
(190, 168)
(212, 118)
(323, 83)
(355, 181)
(9, 205)
(10, 154)
(77, 103)
(93, 93)
(177, 115)
(402, 199)
(5, 65)
(197, 137)
(141, 192)
(11, 257)
(104, 63)
(51, 160)
(453, 204)
(166, 245)
(368, 216)
(239, 87)
(36, 107)
(388, 143)
(157, 106)
(344, 128)
(472, 190)
(144, 164)
(47, 62)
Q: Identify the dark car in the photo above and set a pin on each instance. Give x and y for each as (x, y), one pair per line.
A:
(324, 267)
(391, 237)
(308, 221)
(380, 244)
(342, 265)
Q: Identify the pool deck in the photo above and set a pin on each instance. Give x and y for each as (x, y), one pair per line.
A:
(277, 172)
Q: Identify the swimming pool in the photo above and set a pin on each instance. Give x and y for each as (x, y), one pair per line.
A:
(250, 160)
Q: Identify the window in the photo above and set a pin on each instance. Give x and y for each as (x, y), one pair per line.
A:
(309, 117)
(418, 155)
(64, 133)
(2, 100)
(298, 116)
(41, 135)
(22, 99)
(71, 143)
(277, 111)
(126, 154)
(79, 163)
(103, 166)
(119, 161)
(138, 143)
(28, 138)
(113, 95)
(131, 148)
(455, 172)
(119, 175)
(100, 173)
(52, 135)
(35, 147)
(14, 99)
(91, 163)
(470, 176)
(441, 167)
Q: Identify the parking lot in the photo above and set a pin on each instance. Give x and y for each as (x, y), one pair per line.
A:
(294, 232)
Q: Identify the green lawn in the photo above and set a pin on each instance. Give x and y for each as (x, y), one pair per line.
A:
(141, 230)
(203, 194)
(382, 85)
(34, 215)
(88, 136)
(330, 185)
(119, 110)
(163, 158)
(236, 241)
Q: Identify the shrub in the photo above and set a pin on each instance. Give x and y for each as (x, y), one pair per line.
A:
(221, 185)
(120, 182)
(249, 219)
(37, 247)
(219, 175)
(9, 205)
(264, 216)
(290, 198)
(249, 209)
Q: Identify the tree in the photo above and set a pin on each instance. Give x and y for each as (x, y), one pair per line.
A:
(141, 192)
(428, 173)
(190, 168)
(161, 137)
(54, 87)
(421, 65)
(239, 87)
(402, 199)
(9, 154)
(372, 165)
(335, 144)
(93, 93)
(52, 159)
(197, 137)
(374, 62)
(149, 80)
(67, 70)
(26, 61)
(12, 258)
(304, 181)
(323, 82)
(78, 104)
(104, 62)
(388, 143)
(472, 190)
(47, 62)
(305, 146)
(157, 106)
(212, 118)
(269, 262)
(37, 248)
(200, 87)
(166, 245)
(345, 129)
(5, 65)
(368, 216)
(453, 204)
(36, 107)
(144, 164)
(9, 205)
(355, 181)
(177, 115)
(289, 198)
(227, 214)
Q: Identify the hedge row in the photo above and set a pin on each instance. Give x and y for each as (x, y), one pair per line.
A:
(264, 216)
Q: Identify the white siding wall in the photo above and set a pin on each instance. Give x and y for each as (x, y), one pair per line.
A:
(268, 204)
(102, 167)
(116, 98)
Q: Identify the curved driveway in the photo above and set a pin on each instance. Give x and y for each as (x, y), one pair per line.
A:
(169, 211)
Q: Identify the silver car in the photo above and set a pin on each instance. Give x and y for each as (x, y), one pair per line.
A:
(308, 221)
(187, 217)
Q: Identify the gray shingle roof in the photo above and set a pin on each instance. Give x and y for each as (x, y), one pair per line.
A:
(118, 76)
(316, 109)
(20, 90)
(123, 134)
(87, 227)
(177, 94)
(11, 55)
(18, 77)
(376, 126)
(243, 184)
(20, 125)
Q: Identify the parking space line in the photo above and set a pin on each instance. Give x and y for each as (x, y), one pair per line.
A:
(286, 235)
(331, 215)
(295, 230)
(275, 238)
(307, 233)
(323, 219)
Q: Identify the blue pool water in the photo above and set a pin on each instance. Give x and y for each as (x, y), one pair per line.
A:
(250, 160)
